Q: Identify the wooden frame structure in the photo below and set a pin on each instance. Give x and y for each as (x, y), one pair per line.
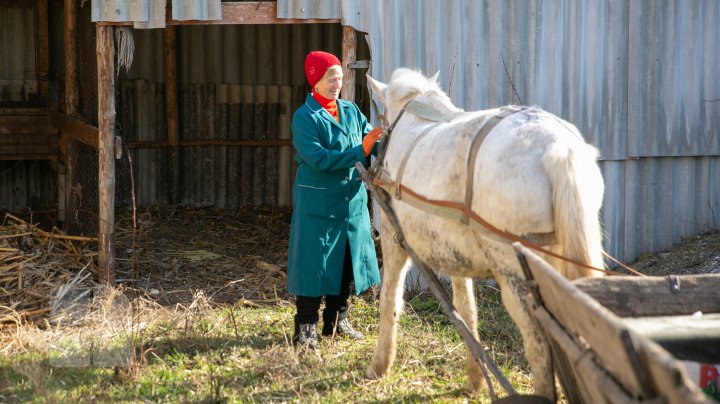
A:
(103, 137)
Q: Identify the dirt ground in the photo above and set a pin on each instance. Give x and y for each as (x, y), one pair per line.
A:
(698, 254)
(240, 255)
(231, 256)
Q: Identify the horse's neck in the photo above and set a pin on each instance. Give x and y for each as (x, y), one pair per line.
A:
(433, 106)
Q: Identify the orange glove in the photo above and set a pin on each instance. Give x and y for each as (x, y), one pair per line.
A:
(370, 139)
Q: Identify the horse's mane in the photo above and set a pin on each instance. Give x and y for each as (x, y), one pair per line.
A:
(406, 84)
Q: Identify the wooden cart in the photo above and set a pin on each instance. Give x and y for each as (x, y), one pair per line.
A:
(625, 339)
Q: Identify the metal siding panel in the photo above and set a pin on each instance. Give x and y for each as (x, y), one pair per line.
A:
(308, 9)
(671, 87)
(202, 10)
(666, 199)
(120, 10)
(570, 58)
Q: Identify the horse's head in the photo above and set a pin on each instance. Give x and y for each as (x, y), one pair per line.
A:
(404, 85)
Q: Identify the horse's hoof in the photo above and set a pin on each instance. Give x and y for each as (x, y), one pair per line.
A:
(371, 374)
(474, 386)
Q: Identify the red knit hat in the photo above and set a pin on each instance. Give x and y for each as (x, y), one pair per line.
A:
(317, 63)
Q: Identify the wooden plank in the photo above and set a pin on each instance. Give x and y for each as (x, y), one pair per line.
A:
(105, 50)
(271, 153)
(592, 383)
(677, 327)
(694, 337)
(76, 129)
(220, 122)
(631, 296)
(239, 13)
(37, 124)
(70, 35)
(233, 173)
(171, 106)
(246, 133)
(259, 168)
(349, 55)
(208, 176)
(194, 131)
(61, 192)
(285, 153)
(12, 147)
(657, 372)
(142, 159)
(668, 375)
(585, 317)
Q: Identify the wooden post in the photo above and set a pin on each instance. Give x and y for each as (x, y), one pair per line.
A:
(349, 55)
(106, 155)
(171, 106)
(71, 101)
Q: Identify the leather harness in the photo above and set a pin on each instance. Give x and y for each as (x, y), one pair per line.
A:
(460, 212)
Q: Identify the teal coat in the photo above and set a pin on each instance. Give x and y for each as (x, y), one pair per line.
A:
(330, 202)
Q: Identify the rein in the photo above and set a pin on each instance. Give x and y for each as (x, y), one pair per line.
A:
(461, 211)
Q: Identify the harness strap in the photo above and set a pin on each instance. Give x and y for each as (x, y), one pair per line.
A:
(475, 146)
(406, 157)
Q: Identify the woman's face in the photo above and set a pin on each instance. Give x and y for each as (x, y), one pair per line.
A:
(331, 83)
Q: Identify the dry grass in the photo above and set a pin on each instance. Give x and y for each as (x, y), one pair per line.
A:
(201, 315)
(230, 353)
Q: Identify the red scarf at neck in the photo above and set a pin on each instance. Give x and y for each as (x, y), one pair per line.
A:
(328, 104)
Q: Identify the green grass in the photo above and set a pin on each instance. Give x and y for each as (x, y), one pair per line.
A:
(206, 353)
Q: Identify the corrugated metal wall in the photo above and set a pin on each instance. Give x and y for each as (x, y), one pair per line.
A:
(638, 78)
(238, 82)
(18, 63)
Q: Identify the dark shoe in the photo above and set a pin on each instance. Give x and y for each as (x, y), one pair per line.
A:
(306, 335)
(344, 329)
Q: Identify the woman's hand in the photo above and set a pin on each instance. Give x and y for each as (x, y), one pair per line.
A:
(370, 139)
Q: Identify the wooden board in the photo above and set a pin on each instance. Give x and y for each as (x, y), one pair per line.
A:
(643, 368)
(632, 296)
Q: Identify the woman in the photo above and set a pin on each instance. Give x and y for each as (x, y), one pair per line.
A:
(330, 240)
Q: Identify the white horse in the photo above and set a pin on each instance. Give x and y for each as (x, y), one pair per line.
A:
(533, 176)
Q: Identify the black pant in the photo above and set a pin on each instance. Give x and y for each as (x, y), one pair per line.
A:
(336, 306)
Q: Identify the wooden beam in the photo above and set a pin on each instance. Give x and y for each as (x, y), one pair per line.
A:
(106, 154)
(76, 129)
(349, 55)
(35, 124)
(171, 106)
(242, 13)
(70, 21)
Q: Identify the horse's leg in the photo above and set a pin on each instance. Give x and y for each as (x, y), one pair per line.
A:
(464, 302)
(395, 266)
(537, 350)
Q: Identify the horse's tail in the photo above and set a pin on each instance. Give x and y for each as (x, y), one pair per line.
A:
(577, 192)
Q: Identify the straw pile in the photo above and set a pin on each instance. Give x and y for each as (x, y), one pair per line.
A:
(40, 269)
(167, 254)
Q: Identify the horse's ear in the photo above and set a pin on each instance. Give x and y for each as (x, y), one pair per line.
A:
(435, 77)
(377, 87)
